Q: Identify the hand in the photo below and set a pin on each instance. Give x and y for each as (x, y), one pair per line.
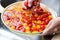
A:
(53, 27)
(29, 3)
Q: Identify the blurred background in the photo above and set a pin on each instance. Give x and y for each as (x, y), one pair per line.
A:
(53, 4)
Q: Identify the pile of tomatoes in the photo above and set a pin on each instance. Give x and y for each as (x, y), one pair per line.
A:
(26, 21)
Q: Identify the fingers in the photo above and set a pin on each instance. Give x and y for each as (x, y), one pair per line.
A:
(24, 6)
(30, 3)
(52, 25)
(49, 28)
(57, 29)
(27, 3)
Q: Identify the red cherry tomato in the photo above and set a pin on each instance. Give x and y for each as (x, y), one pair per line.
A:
(39, 18)
(30, 25)
(26, 3)
(29, 21)
(20, 26)
(9, 18)
(33, 18)
(42, 27)
(43, 19)
(40, 30)
(26, 17)
(47, 20)
(48, 13)
(43, 16)
(43, 23)
(23, 30)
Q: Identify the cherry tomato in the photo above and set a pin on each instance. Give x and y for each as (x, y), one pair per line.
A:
(13, 27)
(26, 17)
(50, 17)
(38, 22)
(9, 18)
(27, 28)
(47, 20)
(33, 18)
(43, 23)
(34, 21)
(42, 27)
(43, 19)
(40, 30)
(28, 31)
(26, 3)
(36, 15)
(43, 16)
(23, 30)
(20, 26)
(33, 28)
(30, 25)
(49, 13)
(39, 18)
(29, 21)
(38, 27)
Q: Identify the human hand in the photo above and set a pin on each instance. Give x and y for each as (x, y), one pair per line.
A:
(29, 3)
(53, 27)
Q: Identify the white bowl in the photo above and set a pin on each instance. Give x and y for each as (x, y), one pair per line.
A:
(21, 33)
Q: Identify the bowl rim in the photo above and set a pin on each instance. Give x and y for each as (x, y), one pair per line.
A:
(39, 33)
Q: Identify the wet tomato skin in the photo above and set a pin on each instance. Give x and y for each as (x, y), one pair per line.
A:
(42, 27)
(24, 30)
(20, 27)
(26, 3)
(43, 19)
(43, 23)
(30, 25)
(40, 30)
(47, 20)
